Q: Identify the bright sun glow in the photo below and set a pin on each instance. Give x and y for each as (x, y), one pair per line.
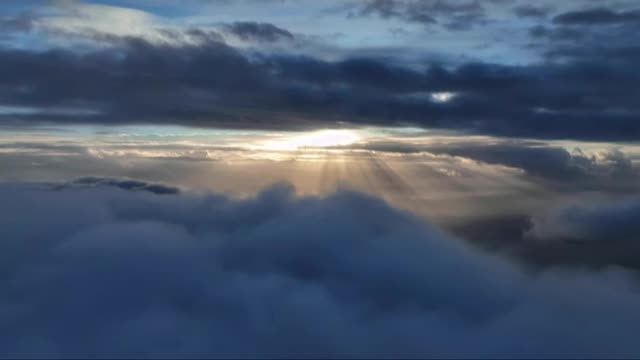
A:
(442, 97)
(316, 139)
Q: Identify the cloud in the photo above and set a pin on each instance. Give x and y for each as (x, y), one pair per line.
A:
(530, 11)
(20, 23)
(106, 272)
(457, 15)
(553, 165)
(603, 222)
(259, 31)
(134, 185)
(213, 84)
(562, 33)
(591, 234)
(597, 16)
(604, 169)
(392, 9)
(597, 36)
(141, 70)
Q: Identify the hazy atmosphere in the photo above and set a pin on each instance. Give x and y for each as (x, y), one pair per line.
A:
(319, 179)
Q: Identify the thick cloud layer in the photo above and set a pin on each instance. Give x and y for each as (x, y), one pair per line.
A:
(193, 77)
(91, 270)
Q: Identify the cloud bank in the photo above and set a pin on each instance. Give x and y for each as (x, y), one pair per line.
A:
(144, 71)
(93, 270)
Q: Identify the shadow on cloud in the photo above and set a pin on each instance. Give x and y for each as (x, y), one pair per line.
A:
(595, 235)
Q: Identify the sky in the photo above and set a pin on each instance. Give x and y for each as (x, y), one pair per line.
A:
(302, 178)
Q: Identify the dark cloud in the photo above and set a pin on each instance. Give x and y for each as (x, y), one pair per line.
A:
(460, 15)
(395, 9)
(594, 233)
(209, 83)
(559, 239)
(253, 31)
(597, 16)
(502, 234)
(557, 33)
(531, 11)
(590, 223)
(541, 101)
(105, 272)
(20, 23)
(597, 234)
(139, 80)
(566, 40)
(134, 185)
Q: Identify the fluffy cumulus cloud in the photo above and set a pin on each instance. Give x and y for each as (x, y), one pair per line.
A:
(93, 270)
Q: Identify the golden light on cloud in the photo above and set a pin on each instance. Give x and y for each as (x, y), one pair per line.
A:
(315, 139)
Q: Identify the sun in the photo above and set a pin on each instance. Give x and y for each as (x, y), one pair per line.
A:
(316, 139)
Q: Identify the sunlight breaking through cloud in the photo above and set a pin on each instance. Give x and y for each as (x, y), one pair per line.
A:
(315, 139)
(443, 97)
